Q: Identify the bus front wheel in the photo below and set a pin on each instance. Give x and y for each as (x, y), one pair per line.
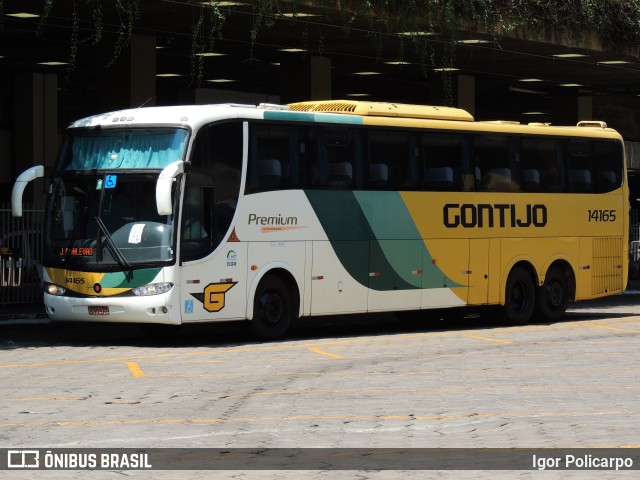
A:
(520, 296)
(553, 295)
(272, 308)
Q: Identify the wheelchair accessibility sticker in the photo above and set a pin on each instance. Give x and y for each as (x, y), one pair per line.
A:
(110, 181)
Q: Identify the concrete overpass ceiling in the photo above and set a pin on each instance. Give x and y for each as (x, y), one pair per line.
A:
(513, 76)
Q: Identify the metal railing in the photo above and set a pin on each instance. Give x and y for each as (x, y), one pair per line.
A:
(21, 255)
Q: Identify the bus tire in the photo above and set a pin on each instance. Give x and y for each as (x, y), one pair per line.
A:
(553, 295)
(273, 308)
(519, 299)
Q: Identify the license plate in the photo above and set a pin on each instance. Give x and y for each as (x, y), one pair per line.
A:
(99, 310)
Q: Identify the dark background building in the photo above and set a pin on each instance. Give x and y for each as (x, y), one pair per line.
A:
(62, 60)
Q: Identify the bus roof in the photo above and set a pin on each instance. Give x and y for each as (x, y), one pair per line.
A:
(373, 113)
(383, 109)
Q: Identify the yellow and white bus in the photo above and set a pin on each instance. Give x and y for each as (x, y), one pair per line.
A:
(185, 214)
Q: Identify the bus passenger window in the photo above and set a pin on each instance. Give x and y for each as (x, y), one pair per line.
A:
(539, 165)
(493, 157)
(339, 156)
(273, 158)
(444, 161)
(607, 157)
(579, 166)
(390, 160)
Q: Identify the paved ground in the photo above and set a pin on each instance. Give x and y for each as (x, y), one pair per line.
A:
(339, 383)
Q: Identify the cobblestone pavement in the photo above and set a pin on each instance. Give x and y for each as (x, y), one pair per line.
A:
(335, 382)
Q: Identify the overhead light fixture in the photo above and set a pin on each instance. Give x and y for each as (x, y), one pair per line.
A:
(398, 62)
(168, 75)
(23, 15)
(446, 69)
(210, 54)
(53, 63)
(530, 80)
(571, 85)
(357, 94)
(292, 50)
(534, 113)
(417, 34)
(613, 62)
(299, 14)
(569, 55)
(223, 3)
(221, 80)
(366, 73)
(472, 41)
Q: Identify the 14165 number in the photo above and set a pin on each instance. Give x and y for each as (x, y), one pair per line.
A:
(602, 215)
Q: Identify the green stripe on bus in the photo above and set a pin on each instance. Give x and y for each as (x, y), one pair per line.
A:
(312, 117)
(376, 239)
(137, 278)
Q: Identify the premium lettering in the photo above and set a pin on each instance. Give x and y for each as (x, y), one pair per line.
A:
(276, 220)
(497, 215)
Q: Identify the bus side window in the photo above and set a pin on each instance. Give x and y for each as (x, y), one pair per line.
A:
(607, 157)
(389, 160)
(539, 165)
(341, 152)
(493, 156)
(444, 161)
(579, 166)
(197, 222)
(274, 154)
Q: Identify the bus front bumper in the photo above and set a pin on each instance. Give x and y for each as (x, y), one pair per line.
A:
(150, 309)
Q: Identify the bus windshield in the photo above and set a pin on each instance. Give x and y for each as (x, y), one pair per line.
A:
(107, 222)
(100, 149)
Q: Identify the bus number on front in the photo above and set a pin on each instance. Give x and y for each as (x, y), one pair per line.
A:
(602, 215)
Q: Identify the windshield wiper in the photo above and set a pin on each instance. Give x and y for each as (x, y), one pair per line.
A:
(111, 245)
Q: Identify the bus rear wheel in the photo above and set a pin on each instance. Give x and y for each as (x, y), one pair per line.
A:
(553, 295)
(273, 308)
(520, 296)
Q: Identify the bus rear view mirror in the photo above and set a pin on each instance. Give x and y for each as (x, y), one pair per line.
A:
(164, 186)
(21, 183)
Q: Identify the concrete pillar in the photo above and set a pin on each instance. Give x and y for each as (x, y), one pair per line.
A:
(131, 80)
(462, 91)
(305, 79)
(35, 132)
(467, 93)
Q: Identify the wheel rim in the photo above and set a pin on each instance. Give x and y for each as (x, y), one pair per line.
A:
(519, 299)
(555, 294)
(272, 307)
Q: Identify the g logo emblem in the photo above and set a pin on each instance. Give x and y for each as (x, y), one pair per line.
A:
(214, 296)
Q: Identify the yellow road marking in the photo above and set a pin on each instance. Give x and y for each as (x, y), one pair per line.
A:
(336, 343)
(487, 338)
(135, 369)
(611, 328)
(322, 352)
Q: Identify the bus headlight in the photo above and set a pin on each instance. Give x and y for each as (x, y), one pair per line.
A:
(53, 289)
(152, 289)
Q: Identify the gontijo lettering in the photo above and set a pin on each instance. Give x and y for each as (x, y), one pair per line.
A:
(469, 215)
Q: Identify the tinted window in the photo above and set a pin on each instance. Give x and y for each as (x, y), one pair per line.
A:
(444, 162)
(391, 160)
(492, 154)
(540, 165)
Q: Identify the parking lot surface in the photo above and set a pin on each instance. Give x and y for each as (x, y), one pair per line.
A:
(352, 382)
